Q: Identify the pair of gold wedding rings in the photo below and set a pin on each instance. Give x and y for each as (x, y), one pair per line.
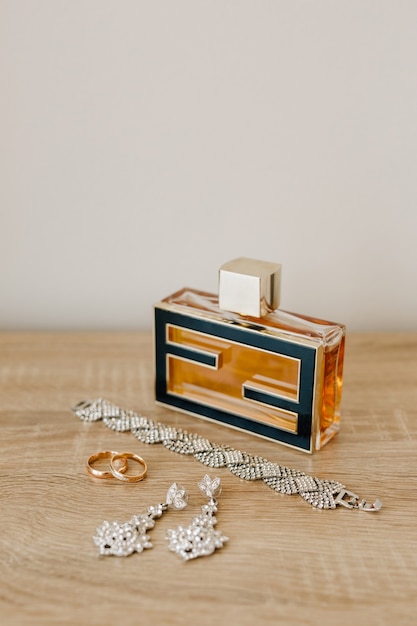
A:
(118, 466)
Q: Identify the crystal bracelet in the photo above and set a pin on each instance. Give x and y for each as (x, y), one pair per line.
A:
(320, 493)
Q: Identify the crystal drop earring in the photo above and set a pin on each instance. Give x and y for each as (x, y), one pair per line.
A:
(199, 538)
(116, 539)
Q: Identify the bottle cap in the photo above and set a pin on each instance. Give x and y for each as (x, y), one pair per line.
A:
(249, 287)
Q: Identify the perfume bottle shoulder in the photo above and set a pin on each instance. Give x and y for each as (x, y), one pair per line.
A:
(203, 304)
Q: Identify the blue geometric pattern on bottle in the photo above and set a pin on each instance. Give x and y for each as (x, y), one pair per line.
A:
(302, 406)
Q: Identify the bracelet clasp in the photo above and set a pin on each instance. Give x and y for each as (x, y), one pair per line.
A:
(350, 500)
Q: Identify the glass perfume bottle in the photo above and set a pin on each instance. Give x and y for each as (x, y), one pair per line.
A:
(238, 359)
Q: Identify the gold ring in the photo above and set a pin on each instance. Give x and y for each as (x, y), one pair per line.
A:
(120, 475)
(107, 454)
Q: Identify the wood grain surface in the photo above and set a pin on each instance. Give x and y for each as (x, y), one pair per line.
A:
(285, 562)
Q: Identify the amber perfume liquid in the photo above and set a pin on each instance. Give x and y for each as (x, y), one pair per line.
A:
(279, 376)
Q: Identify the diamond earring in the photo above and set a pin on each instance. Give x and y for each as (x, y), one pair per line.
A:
(116, 539)
(199, 538)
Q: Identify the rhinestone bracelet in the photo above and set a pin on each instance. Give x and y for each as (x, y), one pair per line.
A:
(320, 493)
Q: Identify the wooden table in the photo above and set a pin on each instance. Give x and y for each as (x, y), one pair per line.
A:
(285, 562)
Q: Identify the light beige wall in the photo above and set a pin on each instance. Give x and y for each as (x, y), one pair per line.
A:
(145, 143)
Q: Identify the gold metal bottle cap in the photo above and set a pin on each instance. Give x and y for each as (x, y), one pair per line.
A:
(249, 287)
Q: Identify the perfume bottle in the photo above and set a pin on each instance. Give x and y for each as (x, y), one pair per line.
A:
(238, 359)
